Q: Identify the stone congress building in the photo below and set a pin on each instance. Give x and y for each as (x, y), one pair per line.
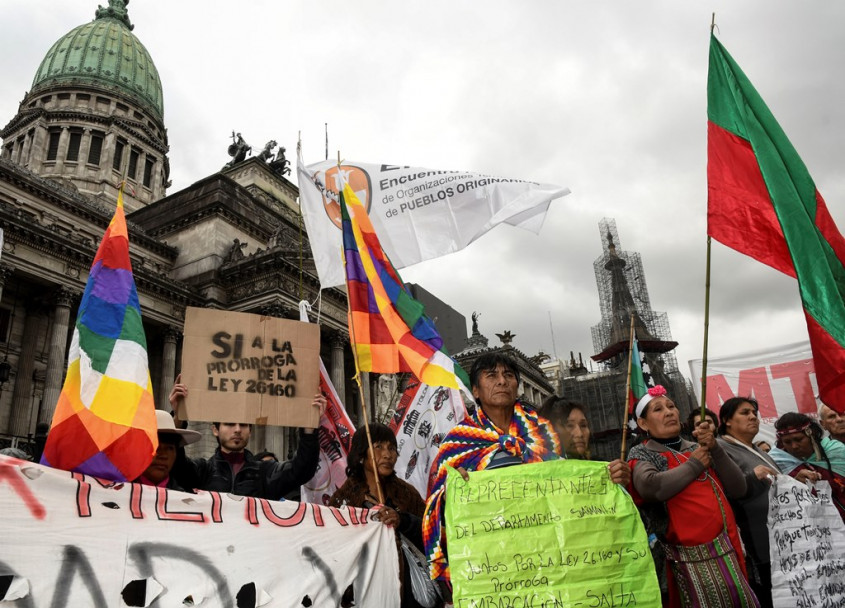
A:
(94, 115)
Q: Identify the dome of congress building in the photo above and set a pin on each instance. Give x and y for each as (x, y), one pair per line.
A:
(104, 54)
(94, 115)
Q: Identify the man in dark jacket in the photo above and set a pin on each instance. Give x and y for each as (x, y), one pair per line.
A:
(235, 470)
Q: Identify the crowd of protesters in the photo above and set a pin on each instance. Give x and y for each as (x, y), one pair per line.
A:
(708, 470)
(705, 470)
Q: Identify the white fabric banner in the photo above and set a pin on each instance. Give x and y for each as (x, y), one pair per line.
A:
(423, 417)
(418, 214)
(782, 379)
(71, 540)
(806, 545)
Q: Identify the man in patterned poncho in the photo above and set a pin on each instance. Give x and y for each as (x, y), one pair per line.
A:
(500, 431)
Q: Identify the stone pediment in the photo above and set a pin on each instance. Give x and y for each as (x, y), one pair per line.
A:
(255, 174)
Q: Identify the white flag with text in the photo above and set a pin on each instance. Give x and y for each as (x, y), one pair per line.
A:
(418, 214)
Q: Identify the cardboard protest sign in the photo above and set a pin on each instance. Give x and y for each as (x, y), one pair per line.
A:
(806, 545)
(556, 533)
(240, 367)
(71, 540)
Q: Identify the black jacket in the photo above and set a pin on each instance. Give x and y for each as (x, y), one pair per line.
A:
(261, 479)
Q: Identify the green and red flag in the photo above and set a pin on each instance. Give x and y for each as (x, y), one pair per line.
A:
(638, 387)
(763, 203)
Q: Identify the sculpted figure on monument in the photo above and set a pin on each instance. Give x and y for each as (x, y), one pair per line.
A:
(267, 152)
(506, 337)
(276, 237)
(235, 252)
(115, 10)
(238, 149)
(280, 164)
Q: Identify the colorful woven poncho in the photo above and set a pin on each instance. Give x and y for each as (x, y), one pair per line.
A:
(472, 445)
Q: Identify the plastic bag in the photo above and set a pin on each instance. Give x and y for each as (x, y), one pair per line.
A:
(425, 590)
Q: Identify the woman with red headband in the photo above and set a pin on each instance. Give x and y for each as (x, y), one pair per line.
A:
(682, 489)
(803, 453)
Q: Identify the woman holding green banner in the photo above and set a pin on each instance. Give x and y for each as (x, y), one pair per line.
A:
(682, 489)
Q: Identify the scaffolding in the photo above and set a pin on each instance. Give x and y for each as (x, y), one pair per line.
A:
(622, 292)
(623, 295)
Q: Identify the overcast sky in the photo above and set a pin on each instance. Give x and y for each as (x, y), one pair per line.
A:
(607, 98)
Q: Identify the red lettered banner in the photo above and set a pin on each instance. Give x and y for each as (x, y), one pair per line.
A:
(782, 379)
(110, 544)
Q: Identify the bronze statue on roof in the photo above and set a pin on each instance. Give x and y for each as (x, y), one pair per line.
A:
(280, 165)
(238, 149)
(267, 152)
(506, 337)
(116, 10)
(475, 316)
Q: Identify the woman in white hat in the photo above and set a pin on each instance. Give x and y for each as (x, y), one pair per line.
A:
(170, 440)
(682, 490)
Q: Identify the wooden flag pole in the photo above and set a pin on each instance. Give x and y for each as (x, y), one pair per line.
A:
(627, 392)
(366, 416)
(357, 378)
(703, 409)
(706, 332)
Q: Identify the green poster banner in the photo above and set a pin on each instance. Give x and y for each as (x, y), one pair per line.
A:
(545, 535)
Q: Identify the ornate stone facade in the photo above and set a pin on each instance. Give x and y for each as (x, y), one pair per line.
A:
(54, 211)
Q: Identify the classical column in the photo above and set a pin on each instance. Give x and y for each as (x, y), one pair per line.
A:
(84, 147)
(19, 415)
(168, 367)
(27, 146)
(157, 183)
(20, 144)
(338, 373)
(5, 272)
(107, 154)
(62, 153)
(57, 355)
(38, 150)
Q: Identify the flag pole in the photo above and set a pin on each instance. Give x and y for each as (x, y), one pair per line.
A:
(299, 222)
(364, 407)
(703, 408)
(357, 377)
(706, 332)
(627, 392)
